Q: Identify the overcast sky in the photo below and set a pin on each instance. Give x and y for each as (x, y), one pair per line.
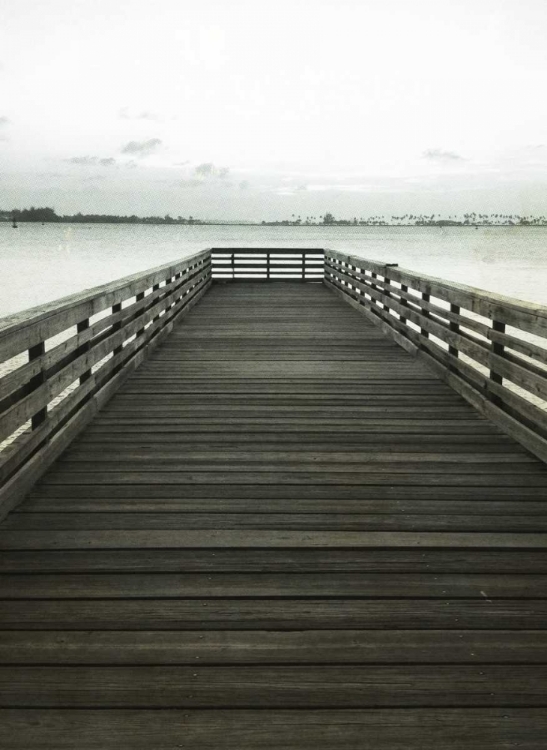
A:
(257, 110)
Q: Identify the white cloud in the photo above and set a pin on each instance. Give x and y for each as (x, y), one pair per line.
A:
(438, 155)
(92, 161)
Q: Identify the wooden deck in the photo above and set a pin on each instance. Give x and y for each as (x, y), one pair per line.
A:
(283, 531)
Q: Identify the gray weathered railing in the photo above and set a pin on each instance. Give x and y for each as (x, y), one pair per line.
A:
(491, 349)
(61, 362)
(267, 264)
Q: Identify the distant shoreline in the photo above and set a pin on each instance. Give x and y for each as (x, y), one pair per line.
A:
(282, 225)
(47, 215)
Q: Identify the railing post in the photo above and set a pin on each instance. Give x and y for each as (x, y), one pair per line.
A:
(117, 326)
(155, 289)
(498, 349)
(386, 292)
(425, 313)
(138, 298)
(453, 350)
(268, 265)
(167, 293)
(404, 302)
(83, 325)
(387, 284)
(35, 352)
(375, 287)
(356, 290)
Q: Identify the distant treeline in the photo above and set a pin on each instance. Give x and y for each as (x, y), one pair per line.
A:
(48, 214)
(470, 219)
(436, 220)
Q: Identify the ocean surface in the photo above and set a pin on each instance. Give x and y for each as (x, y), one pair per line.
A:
(40, 263)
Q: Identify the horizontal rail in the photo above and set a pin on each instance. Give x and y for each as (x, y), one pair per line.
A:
(60, 362)
(491, 349)
(267, 264)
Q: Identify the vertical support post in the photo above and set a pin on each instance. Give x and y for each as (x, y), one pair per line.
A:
(83, 325)
(155, 289)
(303, 265)
(356, 290)
(404, 302)
(453, 350)
(233, 256)
(387, 293)
(374, 286)
(139, 297)
(168, 292)
(425, 313)
(35, 352)
(498, 349)
(177, 277)
(117, 326)
(268, 265)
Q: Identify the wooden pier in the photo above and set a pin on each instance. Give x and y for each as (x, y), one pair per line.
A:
(290, 525)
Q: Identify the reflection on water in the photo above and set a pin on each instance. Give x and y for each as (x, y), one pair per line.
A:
(40, 263)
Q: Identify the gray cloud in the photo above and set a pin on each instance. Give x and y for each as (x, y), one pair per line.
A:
(92, 161)
(125, 114)
(141, 148)
(437, 154)
(208, 171)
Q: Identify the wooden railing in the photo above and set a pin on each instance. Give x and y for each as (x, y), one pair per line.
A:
(267, 264)
(491, 349)
(61, 362)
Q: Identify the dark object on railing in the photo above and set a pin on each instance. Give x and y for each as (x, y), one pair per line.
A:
(67, 358)
(267, 264)
(461, 333)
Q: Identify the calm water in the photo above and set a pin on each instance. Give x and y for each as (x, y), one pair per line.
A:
(42, 263)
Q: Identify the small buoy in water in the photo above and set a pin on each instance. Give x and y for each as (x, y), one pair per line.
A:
(14, 225)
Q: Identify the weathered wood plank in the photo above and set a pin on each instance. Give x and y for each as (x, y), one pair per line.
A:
(346, 686)
(200, 647)
(118, 539)
(304, 560)
(274, 614)
(300, 477)
(269, 585)
(422, 729)
(391, 519)
(227, 512)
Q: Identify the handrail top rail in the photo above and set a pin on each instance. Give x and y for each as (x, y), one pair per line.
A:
(478, 299)
(11, 324)
(316, 250)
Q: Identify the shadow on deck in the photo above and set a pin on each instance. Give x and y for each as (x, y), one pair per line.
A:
(283, 531)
